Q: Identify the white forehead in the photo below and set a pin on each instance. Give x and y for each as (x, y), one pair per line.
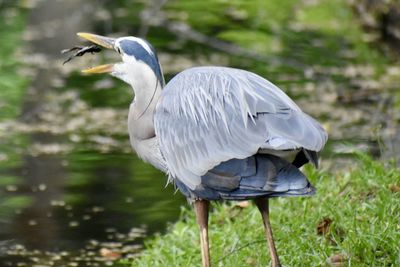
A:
(140, 41)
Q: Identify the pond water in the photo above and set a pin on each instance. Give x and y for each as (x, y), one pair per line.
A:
(68, 195)
(72, 191)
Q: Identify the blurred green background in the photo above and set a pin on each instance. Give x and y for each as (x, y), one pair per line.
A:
(67, 172)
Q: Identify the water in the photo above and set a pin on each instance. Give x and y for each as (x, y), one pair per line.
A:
(71, 190)
(62, 202)
(66, 195)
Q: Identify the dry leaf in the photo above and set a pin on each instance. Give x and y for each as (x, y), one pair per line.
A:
(395, 188)
(332, 233)
(337, 260)
(109, 254)
(242, 204)
(323, 226)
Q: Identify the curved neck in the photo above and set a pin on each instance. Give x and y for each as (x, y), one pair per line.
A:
(146, 95)
(147, 86)
(147, 89)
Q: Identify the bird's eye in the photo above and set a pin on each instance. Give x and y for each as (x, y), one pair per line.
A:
(118, 50)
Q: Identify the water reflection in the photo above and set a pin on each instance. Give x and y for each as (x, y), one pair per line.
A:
(60, 201)
(86, 195)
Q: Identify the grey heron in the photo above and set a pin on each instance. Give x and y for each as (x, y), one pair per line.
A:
(219, 133)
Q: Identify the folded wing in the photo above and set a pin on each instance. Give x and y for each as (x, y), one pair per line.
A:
(210, 115)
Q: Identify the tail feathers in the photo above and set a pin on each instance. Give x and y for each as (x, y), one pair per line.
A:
(275, 175)
(308, 190)
(261, 175)
(243, 194)
(305, 156)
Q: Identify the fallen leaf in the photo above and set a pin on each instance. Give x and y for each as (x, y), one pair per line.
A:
(337, 260)
(109, 254)
(242, 204)
(323, 226)
(332, 233)
(395, 188)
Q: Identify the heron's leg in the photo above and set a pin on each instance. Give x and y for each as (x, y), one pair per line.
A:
(201, 208)
(263, 206)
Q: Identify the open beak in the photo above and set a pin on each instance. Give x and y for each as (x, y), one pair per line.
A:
(102, 41)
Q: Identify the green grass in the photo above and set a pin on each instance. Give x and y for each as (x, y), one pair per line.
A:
(363, 205)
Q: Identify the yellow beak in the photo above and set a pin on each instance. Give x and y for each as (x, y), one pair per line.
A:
(103, 41)
(106, 68)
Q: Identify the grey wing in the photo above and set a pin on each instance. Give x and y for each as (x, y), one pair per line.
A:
(209, 115)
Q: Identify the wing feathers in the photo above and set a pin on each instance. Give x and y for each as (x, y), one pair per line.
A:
(210, 115)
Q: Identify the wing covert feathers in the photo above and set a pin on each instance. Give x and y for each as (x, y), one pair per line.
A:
(210, 115)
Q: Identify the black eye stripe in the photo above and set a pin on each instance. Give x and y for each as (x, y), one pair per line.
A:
(135, 49)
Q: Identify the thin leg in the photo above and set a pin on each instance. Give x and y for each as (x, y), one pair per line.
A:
(201, 208)
(263, 206)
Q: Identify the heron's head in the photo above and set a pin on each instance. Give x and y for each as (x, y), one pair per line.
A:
(139, 59)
